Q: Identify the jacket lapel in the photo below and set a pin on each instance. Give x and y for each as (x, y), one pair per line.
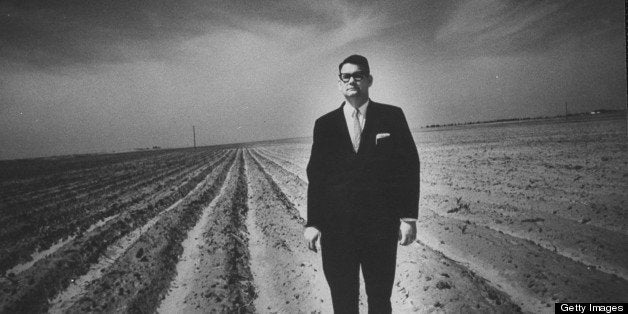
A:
(367, 140)
(341, 126)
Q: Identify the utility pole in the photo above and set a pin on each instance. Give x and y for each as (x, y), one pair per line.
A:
(194, 135)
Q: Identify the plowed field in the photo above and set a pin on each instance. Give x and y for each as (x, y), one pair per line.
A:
(513, 218)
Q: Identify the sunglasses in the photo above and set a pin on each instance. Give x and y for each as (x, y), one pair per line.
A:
(357, 76)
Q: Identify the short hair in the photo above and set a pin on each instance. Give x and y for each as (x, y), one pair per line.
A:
(357, 60)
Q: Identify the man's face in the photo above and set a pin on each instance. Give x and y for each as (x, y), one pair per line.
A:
(353, 87)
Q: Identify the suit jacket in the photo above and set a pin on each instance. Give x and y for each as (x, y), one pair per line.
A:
(369, 190)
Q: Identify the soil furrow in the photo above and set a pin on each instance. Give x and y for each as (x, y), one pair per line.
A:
(603, 211)
(58, 225)
(31, 289)
(221, 281)
(531, 275)
(240, 279)
(52, 249)
(72, 227)
(294, 199)
(287, 275)
(137, 270)
(99, 182)
(192, 268)
(428, 281)
(29, 215)
(49, 175)
(284, 162)
(587, 244)
(297, 156)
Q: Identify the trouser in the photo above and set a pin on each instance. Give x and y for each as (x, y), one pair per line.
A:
(344, 255)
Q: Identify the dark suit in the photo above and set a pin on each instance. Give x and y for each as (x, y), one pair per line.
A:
(357, 199)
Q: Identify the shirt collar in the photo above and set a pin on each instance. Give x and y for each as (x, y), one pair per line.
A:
(348, 109)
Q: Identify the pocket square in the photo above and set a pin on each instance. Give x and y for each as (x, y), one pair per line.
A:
(380, 136)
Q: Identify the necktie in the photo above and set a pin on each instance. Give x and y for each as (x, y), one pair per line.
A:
(357, 130)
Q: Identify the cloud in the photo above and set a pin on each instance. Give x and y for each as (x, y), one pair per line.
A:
(331, 24)
(501, 27)
(47, 34)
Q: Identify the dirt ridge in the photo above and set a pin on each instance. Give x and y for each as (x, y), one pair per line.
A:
(48, 234)
(298, 215)
(192, 264)
(291, 165)
(546, 231)
(31, 290)
(218, 280)
(525, 271)
(242, 292)
(288, 275)
(137, 280)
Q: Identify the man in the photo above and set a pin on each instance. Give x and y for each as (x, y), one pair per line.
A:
(363, 192)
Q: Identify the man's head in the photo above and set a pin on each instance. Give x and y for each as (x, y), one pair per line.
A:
(354, 78)
(357, 60)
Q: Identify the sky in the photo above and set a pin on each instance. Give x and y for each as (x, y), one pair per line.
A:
(94, 76)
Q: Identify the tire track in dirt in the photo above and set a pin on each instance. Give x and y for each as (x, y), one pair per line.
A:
(30, 290)
(425, 279)
(288, 277)
(139, 271)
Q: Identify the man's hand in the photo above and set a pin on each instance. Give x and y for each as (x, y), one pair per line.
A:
(311, 235)
(407, 232)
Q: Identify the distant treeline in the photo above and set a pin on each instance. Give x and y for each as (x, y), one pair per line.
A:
(599, 111)
(147, 148)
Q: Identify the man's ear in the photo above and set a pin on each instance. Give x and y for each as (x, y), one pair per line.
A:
(370, 80)
(340, 84)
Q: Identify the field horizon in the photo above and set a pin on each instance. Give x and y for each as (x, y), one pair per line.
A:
(583, 116)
